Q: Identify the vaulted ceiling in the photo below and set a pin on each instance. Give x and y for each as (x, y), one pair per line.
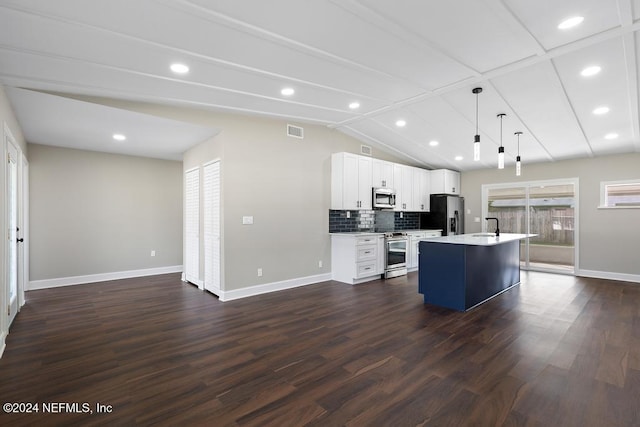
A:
(410, 60)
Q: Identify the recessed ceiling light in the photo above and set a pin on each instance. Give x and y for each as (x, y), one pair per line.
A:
(570, 22)
(287, 91)
(612, 135)
(459, 158)
(354, 105)
(401, 123)
(590, 71)
(433, 143)
(119, 137)
(601, 110)
(179, 68)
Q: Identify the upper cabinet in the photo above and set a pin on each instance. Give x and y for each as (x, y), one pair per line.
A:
(350, 181)
(353, 177)
(382, 173)
(421, 189)
(445, 181)
(403, 184)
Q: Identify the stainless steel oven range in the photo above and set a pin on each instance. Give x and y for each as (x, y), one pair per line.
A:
(396, 244)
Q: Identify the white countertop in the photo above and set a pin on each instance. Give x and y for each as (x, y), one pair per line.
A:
(478, 239)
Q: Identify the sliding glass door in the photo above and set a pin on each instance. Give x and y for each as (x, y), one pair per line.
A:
(545, 208)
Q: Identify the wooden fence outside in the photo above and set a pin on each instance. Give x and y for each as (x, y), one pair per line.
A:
(554, 226)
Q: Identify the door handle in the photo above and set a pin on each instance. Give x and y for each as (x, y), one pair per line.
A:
(20, 240)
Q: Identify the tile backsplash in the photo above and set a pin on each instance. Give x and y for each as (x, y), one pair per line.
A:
(370, 220)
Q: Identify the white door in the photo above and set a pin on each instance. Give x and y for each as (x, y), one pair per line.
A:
(23, 234)
(211, 195)
(192, 227)
(12, 229)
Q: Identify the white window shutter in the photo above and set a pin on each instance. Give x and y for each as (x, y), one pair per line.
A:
(211, 195)
(192, 226)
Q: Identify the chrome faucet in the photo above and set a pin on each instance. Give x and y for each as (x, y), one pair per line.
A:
(497, 225)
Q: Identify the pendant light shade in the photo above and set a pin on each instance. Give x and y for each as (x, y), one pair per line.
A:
(476, 139)
(518, 163)
(501, 148)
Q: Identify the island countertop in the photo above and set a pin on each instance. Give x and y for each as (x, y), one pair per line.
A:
(479, 239)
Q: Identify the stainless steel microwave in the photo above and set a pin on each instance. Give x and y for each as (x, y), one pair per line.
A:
(383, 198)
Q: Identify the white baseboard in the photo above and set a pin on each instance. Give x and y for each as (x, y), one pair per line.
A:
(102, 277)
(609, 275)
(272, 287)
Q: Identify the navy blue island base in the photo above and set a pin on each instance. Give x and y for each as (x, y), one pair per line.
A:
(462, 276)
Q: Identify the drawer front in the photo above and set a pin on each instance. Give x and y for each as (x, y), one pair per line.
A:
(416, 236)
(366, 252)
(366, 240)
(366, 269)
(433, 234)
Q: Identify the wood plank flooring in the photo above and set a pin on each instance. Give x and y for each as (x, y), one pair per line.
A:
(555, 351)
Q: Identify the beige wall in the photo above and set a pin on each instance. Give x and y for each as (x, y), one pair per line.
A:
(284, 183)
(95, 213)
(609, 239)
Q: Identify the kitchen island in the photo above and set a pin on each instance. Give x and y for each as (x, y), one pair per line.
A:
(463, 271)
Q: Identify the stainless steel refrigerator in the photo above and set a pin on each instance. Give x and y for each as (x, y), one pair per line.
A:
(446, 213)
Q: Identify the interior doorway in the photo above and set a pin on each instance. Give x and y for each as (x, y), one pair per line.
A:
(16, 193)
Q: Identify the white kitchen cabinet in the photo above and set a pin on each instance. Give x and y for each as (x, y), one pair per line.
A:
(445, 181)
(413, 248)
(421, 190)
(382, 173)
(357, 258)
(350, 181)
(403, 181)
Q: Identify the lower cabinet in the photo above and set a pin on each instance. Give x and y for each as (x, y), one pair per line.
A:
(414, 240)
(357, 258)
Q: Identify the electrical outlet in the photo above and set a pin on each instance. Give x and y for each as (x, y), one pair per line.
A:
(259, 272)
(247, 220)
(153, 253)
(476, 219)
(348, 214)
(468, 211)
(320, 264)
(401, 214)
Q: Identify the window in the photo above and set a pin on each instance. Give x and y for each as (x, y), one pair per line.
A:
(620, 194)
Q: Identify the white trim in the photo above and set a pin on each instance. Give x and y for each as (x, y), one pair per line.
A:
(102, 277)
(3, 345)
(604, 195)
(526, 185)
(273, 287)
(609, 275)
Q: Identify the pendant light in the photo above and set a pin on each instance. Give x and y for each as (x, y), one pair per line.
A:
(518, 165)
(476, 140)
(501, 148)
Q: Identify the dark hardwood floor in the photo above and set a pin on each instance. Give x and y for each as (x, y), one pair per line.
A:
(556, 351)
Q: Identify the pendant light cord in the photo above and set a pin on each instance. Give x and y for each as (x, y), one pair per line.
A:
(477, 114)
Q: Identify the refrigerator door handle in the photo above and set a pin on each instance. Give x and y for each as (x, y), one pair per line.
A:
(457, 221)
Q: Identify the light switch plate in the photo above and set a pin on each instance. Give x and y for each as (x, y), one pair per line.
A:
(247, 220)
(476, 219)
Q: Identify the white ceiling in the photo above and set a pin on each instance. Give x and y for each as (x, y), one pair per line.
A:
(410, 59)
(64, 122)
